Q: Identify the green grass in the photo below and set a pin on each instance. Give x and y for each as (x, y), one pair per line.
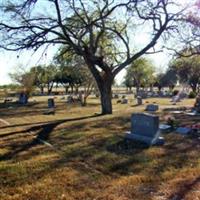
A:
(89, 159)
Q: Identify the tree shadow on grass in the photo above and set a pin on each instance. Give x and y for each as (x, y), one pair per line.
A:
(127, 147)
(186, 189)
(108, 155)
(43, 134)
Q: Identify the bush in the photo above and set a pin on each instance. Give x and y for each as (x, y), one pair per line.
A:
(192, 95)
(175, 92)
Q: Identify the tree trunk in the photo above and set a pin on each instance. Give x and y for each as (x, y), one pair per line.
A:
(194, 87)
(72, 89)
(66, 89)
(104, 82)
(106, 97)
(84, 101)
(151, 88)
(137, 89)
(76, 89)
(41, 90)
(49, 87)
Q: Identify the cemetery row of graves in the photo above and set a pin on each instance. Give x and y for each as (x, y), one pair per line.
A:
(67, 134)
(54, 148)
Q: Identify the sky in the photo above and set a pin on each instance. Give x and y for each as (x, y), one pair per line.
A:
(10, 61)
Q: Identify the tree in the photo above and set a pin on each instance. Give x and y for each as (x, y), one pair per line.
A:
(140, 74)
(100, 31)
(74, 72)
(188, 70)
(167, 79)
(50, 77)
(39, 77)
(25, 79)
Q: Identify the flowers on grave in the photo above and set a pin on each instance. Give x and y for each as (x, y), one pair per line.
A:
(171, 121)
(194, 127)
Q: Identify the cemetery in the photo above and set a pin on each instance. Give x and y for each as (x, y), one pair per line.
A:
(130, 154)
(100, 100)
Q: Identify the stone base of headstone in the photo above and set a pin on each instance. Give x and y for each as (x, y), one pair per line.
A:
(124, 101)
(144, 139)
(49, 112)
(144, 128)
(164, 128)
(194, 113)
(184, 130)
(176, 112)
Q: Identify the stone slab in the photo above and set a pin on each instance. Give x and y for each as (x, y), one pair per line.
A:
(147, 140)
(183, 130)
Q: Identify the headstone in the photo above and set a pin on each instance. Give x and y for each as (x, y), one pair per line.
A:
(139, 100)
(124, 101)
(161, 94)
(176, 112)
(197, 104)
(144, 95)
(152, 107)
(192, 113)
(23, 98)
(176, 99)
(183, 130)
(149, 94)
(51, 103)
(70, 99)
(115, 96)
(164, 128)
(145, 128)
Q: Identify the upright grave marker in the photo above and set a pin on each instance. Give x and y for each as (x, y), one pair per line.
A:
(152, 107)
(23, 98)
(51, 103)
(51, 107)
(145, 128)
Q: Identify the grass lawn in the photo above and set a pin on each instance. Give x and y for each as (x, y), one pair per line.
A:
(77, 154)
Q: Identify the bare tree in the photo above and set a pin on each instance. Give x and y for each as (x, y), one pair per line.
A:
(103, 32)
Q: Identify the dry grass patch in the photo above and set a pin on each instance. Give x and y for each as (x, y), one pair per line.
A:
(86, 157)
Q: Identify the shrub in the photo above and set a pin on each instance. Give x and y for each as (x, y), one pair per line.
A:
(192, 95)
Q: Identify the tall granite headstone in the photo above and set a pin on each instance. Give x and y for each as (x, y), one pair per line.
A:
(51, 103)
(139, 100)
(145, 128)
(23, 98)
